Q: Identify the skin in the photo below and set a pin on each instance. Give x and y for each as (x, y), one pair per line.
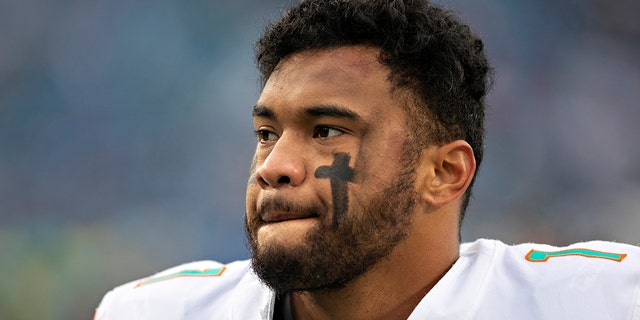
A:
(301, 156)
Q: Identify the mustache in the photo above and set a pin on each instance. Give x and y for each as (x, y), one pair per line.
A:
(288, 205)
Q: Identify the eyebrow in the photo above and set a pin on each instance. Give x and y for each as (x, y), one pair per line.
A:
(263, 112)
(314, 111)
(332, 111)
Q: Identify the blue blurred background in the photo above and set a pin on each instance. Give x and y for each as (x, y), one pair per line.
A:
(125, 135)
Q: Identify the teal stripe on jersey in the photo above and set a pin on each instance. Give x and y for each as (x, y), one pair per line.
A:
(543, 256)
(185, 273)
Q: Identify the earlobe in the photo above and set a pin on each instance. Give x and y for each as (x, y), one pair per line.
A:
(449, 170)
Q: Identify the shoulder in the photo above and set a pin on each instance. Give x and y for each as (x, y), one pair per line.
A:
(601, 254)
(182, 292)
(605, 260)
(595, 277)
(592, 252)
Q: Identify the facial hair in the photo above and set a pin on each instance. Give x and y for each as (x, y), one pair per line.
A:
(331, 255)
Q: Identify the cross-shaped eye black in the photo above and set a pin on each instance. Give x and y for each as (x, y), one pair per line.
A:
(339, 173)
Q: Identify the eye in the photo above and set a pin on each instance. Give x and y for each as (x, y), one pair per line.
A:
(326, 132)
(266, 136)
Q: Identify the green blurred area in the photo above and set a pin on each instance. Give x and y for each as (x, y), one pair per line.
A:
(62, 273)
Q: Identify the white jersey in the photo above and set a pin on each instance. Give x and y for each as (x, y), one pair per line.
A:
(491, 280)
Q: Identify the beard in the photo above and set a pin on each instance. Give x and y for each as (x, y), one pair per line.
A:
(332, 255)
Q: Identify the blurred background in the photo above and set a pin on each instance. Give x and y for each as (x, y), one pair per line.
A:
(125, 135)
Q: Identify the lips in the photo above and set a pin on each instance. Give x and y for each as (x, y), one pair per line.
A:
(272, 217)
(272, 210)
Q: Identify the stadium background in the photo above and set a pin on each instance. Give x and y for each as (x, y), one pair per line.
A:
(125, 135)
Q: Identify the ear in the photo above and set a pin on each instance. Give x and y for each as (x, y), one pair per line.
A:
(446, 172)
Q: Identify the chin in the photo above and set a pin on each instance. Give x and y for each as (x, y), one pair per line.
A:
(289, 233)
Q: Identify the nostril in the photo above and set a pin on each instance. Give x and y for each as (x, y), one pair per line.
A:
(284, 180)
(262, 182)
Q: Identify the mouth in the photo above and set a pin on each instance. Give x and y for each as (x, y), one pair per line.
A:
(275, 210)
(274, 217)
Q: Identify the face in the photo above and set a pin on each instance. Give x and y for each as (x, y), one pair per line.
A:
(331, 190)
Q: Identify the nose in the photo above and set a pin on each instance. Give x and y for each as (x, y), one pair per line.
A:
(283, 167)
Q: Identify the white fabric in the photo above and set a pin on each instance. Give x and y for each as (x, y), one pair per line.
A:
(490, 280)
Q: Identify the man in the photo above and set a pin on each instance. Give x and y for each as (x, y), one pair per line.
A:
(369, 133)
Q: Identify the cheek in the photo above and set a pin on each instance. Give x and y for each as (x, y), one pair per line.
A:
(252, 173)
(376, 162)
(251, 199)
(339, 174)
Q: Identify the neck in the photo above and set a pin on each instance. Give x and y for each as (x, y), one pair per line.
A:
(395, 285)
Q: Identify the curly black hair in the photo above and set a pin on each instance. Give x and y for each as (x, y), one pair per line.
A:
(428, 50)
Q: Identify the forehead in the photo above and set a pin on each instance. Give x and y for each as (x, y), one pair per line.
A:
(349, 76)
(344, 64)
